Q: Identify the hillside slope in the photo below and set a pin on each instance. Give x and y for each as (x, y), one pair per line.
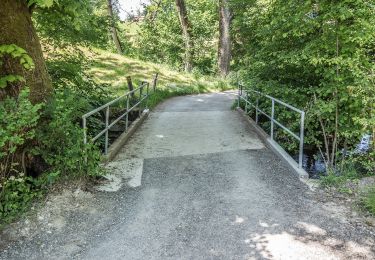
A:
(113, 69)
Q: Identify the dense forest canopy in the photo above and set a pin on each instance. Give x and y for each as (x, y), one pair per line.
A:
(317, 55)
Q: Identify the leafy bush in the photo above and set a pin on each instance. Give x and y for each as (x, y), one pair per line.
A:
(69, 72)
(56, 137)
(365, 162)
(60, 141)
(49, 134)
(319, 59)
(18, 120)
(16, 193)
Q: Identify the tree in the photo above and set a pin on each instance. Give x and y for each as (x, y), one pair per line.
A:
(112, 26)
(186, 31)
(224, 50)
(316, 55)
(16, 27)
(160, 39)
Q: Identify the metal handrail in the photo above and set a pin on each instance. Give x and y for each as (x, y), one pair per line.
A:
(106, 106)
(245, 98)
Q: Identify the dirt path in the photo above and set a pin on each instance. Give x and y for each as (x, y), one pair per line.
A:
(197, 183)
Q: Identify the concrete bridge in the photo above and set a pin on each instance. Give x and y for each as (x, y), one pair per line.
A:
(197, 182)
(208, 187)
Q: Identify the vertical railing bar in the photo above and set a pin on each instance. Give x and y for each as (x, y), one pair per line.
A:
(247, 100)
(84, 130)
(84, 125)
(143, 103)
(272, 117)
(106, 132)
(239, 96)
(147, 93)
(127, 113)
(273, 100)
(301, 136)
(256, 110)
(140, 100)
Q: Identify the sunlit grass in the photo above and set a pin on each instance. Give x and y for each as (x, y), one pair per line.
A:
(113, 69)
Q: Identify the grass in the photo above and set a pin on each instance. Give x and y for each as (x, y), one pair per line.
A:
(346, 183)
(348, 174)
(113, 69)
(368, 200)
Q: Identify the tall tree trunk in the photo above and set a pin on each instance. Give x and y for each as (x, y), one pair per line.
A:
(224, 50)
(16, 27)
(113, 29)
(186, 31)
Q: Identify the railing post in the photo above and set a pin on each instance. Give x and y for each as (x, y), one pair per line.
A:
(239, 96)
(84, 130)
(301, 136)
(140, 99)
(147, 93)
(247, 100)
(84, 125)
(127, 113)
(155, 80)
(272, 117)
(256, 110)
(106, 132)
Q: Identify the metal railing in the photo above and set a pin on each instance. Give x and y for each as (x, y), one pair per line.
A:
(258, 94)
(128, 97)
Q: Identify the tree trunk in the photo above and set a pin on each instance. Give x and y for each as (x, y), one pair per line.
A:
(186, 33)
(113, 29)
(16, 27)
(224, 50)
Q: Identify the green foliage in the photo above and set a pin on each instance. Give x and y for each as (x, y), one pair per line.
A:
(368, 200)
(18, 120)
(173, 91)
(338, 180)
(72, 158)
(365, 162)
(19, 126)
(4, 81)
(17, 53)
(159, 38)
(16, 193)
(29, 131)
(317, 56)
(69, 71)
(41, 3)
(71, 22)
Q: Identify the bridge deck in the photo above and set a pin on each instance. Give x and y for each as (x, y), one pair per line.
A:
(196, 182)
(209, 188)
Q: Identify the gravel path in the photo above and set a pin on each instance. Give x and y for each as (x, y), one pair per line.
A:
(195, 182)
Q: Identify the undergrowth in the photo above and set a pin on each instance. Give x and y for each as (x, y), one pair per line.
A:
(368, 200)
(41, 144)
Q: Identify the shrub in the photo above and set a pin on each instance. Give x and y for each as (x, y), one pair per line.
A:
(18, 120)
(61, 139)
(51, 135)
(16, 193)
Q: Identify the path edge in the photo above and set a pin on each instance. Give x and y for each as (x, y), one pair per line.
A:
(117, 145)
(275, 147)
